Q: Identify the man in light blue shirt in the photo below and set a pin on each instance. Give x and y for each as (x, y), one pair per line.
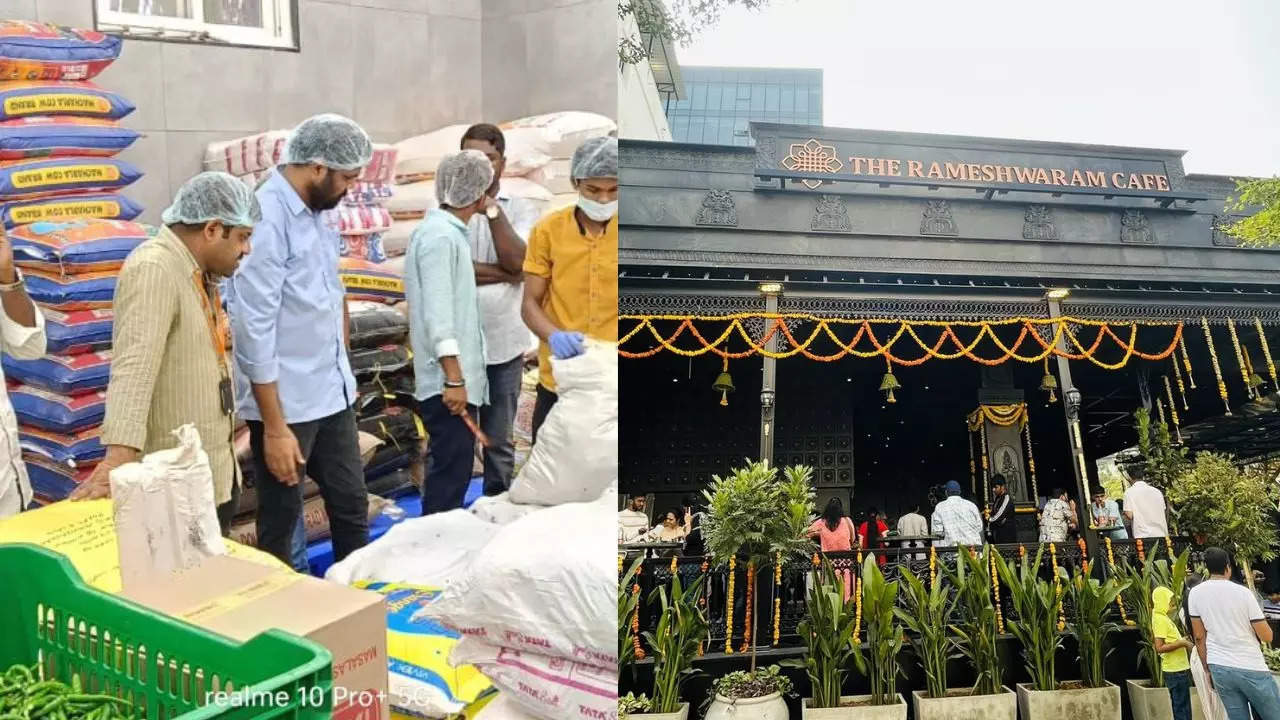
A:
(287, 308)
(1106, 514)
(444, 329)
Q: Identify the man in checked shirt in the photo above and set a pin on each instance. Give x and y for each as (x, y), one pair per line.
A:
(169, 363)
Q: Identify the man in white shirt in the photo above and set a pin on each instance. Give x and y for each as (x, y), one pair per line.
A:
(913, 524)
(1229, 628)
(1144, 508)
(956, 521)
(633, 522)
(22, 337)
(497, 252)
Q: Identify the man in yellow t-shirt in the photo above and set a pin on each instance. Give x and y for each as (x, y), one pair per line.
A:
(1172, 647)
(571, 268)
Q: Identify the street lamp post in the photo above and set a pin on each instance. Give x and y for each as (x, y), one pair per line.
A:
(1071, 406)
(771, 291)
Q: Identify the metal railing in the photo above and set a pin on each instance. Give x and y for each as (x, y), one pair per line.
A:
(779, 598)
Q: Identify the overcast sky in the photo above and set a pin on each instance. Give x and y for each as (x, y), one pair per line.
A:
(1197, 76)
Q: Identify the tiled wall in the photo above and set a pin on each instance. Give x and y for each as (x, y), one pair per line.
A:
(398, 67)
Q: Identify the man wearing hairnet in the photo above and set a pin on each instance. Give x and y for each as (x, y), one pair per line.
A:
(169, 364)
(287, 305)
(444, 329)
(571, 268)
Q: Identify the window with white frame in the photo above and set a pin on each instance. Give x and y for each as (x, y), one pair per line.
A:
(259, 23)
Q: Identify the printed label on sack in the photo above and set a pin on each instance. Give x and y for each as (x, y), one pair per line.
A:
(65, 211)
(64, 175)
(370, 282)
(53, 103)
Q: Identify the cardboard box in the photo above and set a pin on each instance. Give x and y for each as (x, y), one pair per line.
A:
(241, 599)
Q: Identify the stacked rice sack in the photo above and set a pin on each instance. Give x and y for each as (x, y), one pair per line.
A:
(70, 230)
(564, 132)
(533, 617)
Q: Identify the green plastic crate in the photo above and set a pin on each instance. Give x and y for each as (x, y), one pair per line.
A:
(167, 667)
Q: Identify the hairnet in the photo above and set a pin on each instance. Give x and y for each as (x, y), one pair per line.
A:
(213, 196)
(462, 178)
(595, 158)
(329, 140)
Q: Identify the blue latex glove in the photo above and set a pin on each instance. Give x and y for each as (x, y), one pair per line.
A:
(565, 344)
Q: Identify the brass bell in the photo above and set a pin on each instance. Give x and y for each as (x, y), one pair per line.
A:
(1049, 383)
(723, 385)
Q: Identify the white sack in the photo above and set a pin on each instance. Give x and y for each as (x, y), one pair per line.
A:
(434, 551)
(565, 130)
(412, 201)
(418, 157)
(502, 707)
(547, 583)
(547, 687)
(246, 155)
(165, 513)
(576, 456)
(499, 510)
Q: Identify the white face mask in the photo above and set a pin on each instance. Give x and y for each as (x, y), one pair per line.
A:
(597, 211)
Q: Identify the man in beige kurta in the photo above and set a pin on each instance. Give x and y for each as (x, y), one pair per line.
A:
(170, 366)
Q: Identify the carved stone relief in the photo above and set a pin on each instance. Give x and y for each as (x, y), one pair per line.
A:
(937, 219)
(717, 210)
(1038, 224)
(1220, 236)
(1134, 228)
(831, 215)
(766, 153)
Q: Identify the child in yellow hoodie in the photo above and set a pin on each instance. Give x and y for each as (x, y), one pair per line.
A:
(1172, 647)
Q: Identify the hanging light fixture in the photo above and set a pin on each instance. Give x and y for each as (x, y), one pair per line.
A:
(724, 383)
(889, 383)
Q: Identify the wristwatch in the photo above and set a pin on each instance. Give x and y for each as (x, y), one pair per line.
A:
(492, 212)
(18, 282)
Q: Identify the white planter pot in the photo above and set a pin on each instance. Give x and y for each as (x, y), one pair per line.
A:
(1083, 704)
(861, 710)
(1148, 703)
(1001, 706)
(680, 714)
(769, 707)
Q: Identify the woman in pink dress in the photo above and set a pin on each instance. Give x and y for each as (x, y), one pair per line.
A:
(834, 531)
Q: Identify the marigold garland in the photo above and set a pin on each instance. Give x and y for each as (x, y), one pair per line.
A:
(1169, 544)
(933, 566)
(1057, 586)
(751, 594)
(857, 590)
(728, 611)
(1173, 406)
(1031, 461)
(995, 590)
(1084, 554)
(1001, 415)
(1186, 362)
(1182, 389)
(986, 472)
(635, 623)
(778, 324)
(1160, 410)
(1217, 368)
(1111, 567)
(1142, 554)
(777, 600)
(1244, 370)
(1266, 354)
(702, 597)
(973, 465)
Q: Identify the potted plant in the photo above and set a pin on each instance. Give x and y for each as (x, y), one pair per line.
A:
(1228, 506)
(1037, 607)
(629, 705)
(1091, 624)
(827, 634)
(974, 630)
(754, 515)
(879, 661)
(674, 643)
(1149, 698)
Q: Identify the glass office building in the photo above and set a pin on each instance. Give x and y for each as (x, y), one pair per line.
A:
(719, 102)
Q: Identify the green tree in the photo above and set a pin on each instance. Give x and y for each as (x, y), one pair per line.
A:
(1263, 228)
(678, 21)
(1161, 459)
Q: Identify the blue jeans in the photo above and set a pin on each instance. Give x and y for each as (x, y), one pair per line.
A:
(1239, 689)
(1179, 686)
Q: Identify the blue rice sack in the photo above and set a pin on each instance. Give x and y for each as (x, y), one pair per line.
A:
(75, 99)
(51, 480)
(76, 246)
(64, 374)
(55, 412)
(89, 291)
(43, 51)
(37, 137)
(106, 206)
(32, 178)
(81, 331)
(76, 450)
